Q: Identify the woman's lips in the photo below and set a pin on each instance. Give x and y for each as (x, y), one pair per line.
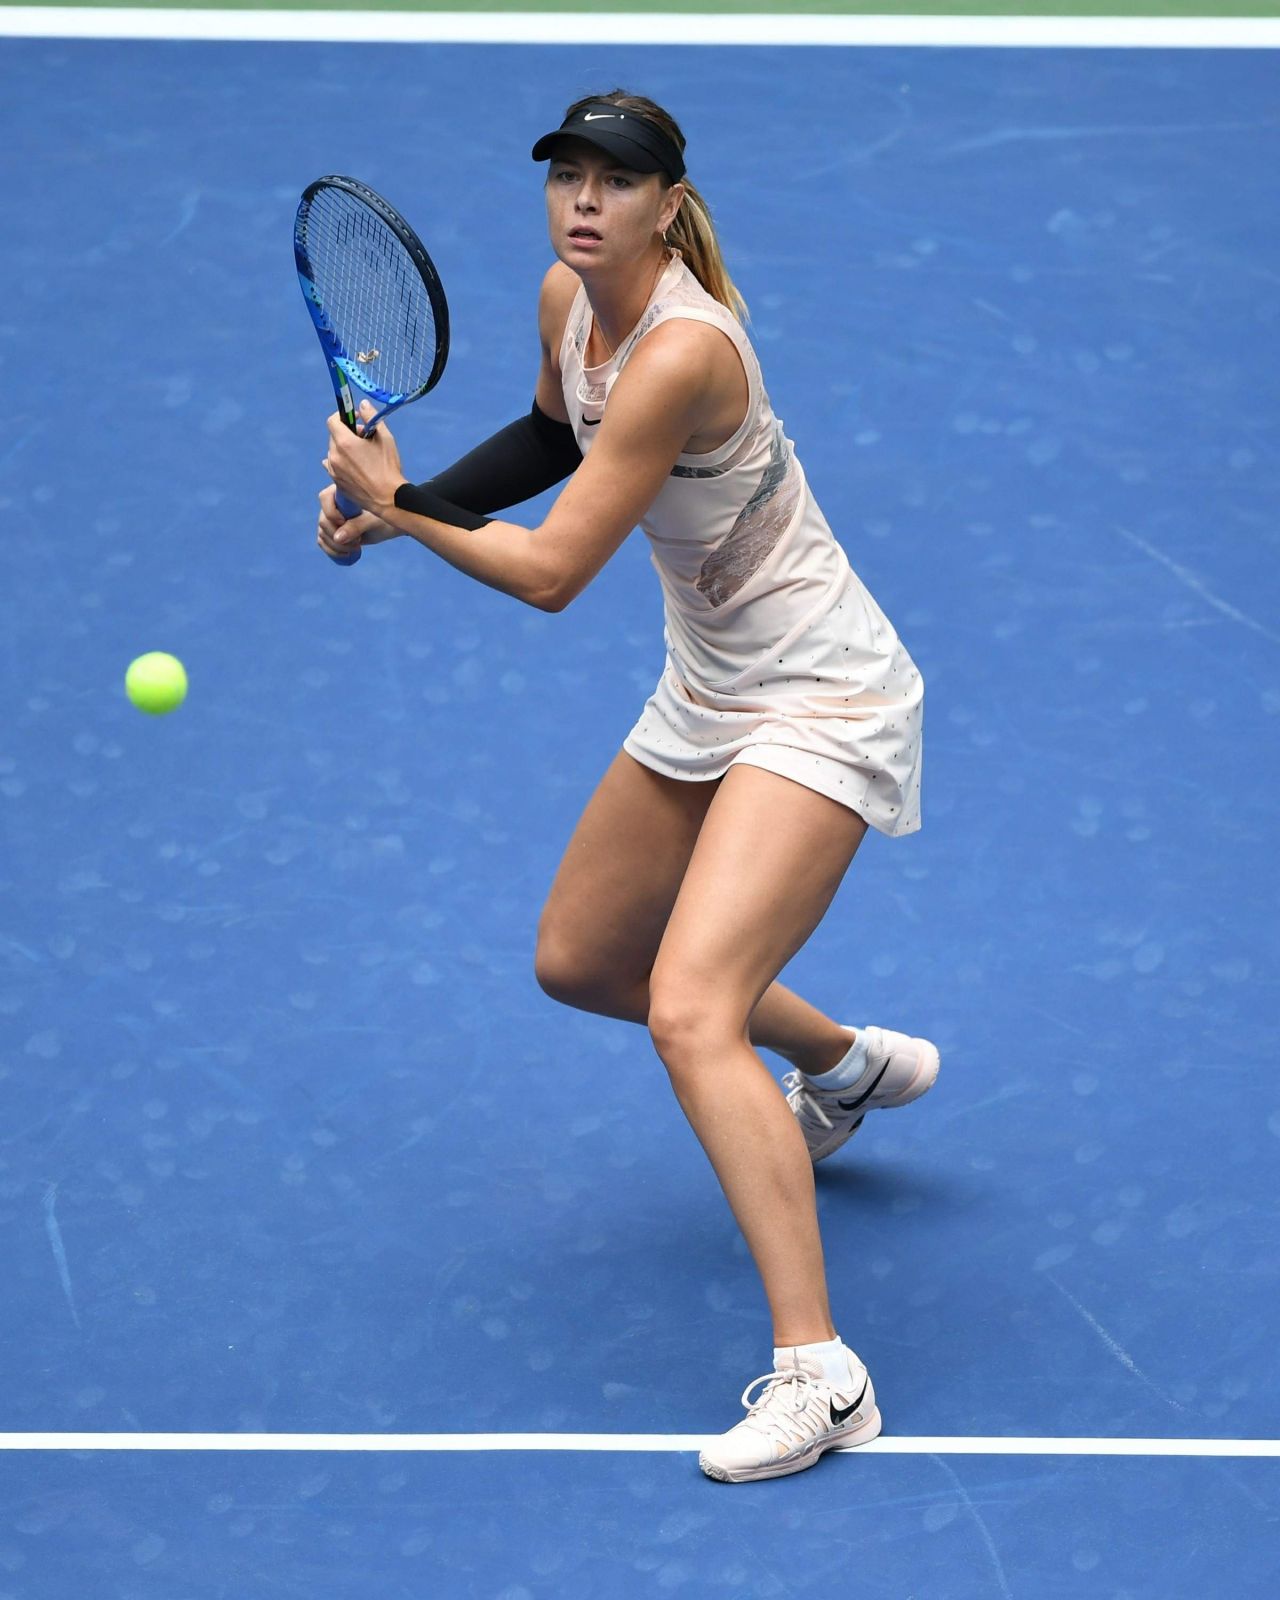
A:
(587, 239)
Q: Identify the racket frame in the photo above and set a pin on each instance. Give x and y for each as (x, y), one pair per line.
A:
(344, 371)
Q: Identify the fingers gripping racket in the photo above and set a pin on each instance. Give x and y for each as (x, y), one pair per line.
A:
(376, 300)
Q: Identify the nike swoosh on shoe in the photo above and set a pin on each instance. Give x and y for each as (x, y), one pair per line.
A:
(840, 1414)
(852, 1105)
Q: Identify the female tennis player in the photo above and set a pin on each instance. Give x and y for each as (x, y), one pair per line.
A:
(787, 719)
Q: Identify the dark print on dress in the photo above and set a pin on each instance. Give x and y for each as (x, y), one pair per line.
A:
(758, 527)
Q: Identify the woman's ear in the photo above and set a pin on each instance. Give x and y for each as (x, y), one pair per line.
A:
(675, 197)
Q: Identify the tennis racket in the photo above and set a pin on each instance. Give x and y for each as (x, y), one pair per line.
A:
(376, 300)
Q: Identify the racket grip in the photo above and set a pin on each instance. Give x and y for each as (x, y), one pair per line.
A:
(348, 508)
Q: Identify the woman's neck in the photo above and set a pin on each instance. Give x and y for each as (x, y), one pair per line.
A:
(617, 306)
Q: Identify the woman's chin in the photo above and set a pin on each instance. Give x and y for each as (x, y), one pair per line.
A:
(583, 262)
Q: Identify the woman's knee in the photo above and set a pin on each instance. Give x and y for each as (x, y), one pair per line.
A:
(568, 975)
(557, 968)
(686, 1024)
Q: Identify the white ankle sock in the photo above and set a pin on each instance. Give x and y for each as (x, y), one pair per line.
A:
(845, 1073)
(830, 1355)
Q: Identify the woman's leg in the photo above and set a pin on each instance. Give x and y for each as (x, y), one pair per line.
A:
(768, 859)
(612, 896)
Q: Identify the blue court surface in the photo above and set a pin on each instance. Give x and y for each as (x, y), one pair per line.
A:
(292, 1142)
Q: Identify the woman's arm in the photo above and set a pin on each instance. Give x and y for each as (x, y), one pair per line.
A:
(671, 383)
(533, 452)
(529, 455)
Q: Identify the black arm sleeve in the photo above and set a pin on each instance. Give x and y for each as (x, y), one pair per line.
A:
(517, 462)
(423, 501)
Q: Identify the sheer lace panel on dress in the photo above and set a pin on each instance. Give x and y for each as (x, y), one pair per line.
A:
(758, 527)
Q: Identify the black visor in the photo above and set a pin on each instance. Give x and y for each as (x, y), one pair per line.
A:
(631, 140)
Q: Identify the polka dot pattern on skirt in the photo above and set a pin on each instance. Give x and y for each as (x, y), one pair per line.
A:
(840, 709)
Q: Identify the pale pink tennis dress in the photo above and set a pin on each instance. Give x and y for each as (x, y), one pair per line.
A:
(777, 655)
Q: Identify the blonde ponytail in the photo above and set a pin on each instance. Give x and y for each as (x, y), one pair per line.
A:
(692, 233)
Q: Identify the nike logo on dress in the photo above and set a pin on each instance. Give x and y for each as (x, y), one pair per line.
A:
(592, 422)
(840, 1413)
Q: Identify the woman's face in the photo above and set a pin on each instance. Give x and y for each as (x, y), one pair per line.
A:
(600, 214)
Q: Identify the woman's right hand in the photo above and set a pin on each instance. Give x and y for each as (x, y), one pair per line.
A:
(356, 531)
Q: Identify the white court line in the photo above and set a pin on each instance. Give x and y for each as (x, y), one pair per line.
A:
(652, 28)
(446, 1442)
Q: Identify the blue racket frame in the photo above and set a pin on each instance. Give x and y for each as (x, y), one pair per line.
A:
(344, 371)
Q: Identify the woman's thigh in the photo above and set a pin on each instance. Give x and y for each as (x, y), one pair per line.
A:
(767, 862)
(618, 880)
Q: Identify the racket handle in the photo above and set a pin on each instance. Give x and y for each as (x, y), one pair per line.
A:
(348, 508)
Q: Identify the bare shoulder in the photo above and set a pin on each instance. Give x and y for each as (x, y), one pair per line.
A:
(559, 286)
(689, 355)
(692, 373)
(686, 339)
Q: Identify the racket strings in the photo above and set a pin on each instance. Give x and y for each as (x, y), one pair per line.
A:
(371, 293)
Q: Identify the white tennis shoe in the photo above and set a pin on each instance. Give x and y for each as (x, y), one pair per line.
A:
(899, 1069)
(797, 1416)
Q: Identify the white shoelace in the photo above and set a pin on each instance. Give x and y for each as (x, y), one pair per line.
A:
(808, 1103)
(789, 1410)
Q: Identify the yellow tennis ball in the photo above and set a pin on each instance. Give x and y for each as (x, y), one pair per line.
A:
(156, 682)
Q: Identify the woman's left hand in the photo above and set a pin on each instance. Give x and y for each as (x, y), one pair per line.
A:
(367, 470)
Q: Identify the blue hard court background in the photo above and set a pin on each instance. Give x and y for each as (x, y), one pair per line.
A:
(291, 1139)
